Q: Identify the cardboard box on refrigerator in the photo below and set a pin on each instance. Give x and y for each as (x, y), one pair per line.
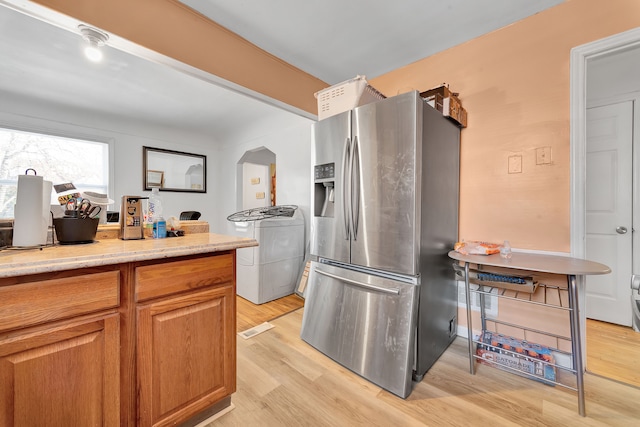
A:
(447, 102)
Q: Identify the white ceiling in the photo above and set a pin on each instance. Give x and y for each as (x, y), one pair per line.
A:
(45, 64)
(333, 40)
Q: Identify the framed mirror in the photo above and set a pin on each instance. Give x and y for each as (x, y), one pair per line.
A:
(171, 170)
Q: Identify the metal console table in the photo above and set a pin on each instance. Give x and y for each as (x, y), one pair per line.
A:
(534, 263)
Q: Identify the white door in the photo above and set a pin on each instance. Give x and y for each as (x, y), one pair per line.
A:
(609, 210)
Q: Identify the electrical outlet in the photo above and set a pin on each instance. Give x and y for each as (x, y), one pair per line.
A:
(515, 164)
(543, 156)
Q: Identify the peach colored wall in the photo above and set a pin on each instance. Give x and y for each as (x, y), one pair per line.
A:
(174, 30)
(514, 83)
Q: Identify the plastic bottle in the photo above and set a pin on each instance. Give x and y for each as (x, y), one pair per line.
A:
(155, 214)
(505, 250)
(159, 228)
(155, 205)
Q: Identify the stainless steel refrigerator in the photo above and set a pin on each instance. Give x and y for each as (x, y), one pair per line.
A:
(381, 298)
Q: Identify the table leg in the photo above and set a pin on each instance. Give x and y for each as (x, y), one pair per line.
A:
(576, 341)
(467, 292)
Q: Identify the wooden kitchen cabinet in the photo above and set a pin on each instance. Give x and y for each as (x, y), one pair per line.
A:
(60, 358)
(185, 355)
(65, 374)
(128, 342)
(185, 337)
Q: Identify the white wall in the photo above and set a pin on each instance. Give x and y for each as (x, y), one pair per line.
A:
(128, 138)
(291, 144)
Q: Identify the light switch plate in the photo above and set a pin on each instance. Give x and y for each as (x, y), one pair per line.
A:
(515, 164)
(543, 156)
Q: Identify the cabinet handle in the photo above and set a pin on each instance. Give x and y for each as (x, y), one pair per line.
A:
(621, 230)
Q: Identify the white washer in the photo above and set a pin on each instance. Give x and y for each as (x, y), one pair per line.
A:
(270, 270)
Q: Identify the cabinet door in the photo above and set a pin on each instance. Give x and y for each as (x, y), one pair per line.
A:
(66, 374)
(186, 355)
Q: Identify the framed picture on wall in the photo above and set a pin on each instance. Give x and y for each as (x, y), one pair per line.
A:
(155, 178)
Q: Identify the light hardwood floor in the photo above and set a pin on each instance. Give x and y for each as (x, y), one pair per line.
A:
(613, 351)
(282, 381)
(249, 315)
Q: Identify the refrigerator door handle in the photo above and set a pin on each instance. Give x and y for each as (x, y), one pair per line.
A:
(346, 190)
(355, 187)
(392, 291)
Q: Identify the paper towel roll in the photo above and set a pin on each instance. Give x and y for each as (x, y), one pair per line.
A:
(31, 211)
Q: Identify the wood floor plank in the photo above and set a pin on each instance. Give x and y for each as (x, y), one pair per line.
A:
(613, 351)
(560, 415)
(261, 381)
(249, 315)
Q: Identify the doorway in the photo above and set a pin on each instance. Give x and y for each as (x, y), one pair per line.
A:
(256, 179)
(592, 99)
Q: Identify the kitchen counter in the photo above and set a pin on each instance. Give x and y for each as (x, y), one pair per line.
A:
(137, 332)
(19, 262)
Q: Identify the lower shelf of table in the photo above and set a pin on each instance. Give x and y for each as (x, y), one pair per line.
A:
(522, 363)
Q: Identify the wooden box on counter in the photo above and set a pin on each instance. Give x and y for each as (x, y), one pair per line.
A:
(112, 231)
(447, 102)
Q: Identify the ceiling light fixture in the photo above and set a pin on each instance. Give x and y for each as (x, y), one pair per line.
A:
(96, 39)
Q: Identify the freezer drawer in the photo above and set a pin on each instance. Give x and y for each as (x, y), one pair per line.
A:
(364, 322)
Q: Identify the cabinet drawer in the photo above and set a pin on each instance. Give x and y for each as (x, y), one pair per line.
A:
(168, 278)
(41, 301)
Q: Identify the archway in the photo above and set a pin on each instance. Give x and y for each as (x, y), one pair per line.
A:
(256, 179)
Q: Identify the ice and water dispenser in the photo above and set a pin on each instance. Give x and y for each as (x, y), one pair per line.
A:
(324, 191)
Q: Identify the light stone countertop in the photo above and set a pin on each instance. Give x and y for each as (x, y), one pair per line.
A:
(19, 262)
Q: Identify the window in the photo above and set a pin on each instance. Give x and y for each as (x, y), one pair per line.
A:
(55, 158)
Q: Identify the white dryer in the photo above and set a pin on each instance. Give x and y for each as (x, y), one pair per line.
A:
(270, 270)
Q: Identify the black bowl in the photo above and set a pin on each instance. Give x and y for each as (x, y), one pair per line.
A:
(75, 230)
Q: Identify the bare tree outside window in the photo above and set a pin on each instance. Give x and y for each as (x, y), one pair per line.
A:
(56, 159)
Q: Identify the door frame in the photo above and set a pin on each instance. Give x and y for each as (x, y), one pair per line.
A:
(578, 129)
